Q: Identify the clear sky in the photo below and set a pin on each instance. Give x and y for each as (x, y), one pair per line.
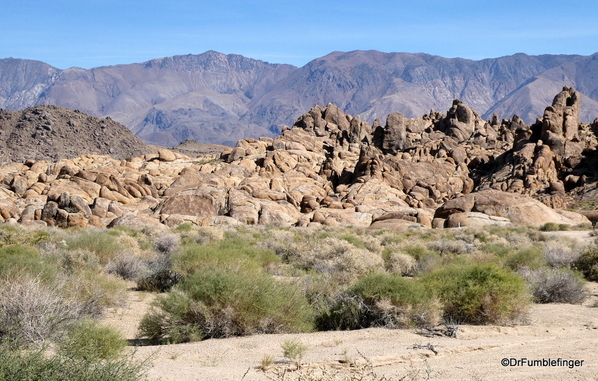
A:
(90, 33)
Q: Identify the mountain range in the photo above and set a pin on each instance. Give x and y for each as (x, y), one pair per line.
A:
(218, 98)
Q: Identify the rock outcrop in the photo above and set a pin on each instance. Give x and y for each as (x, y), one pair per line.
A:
(329, 168)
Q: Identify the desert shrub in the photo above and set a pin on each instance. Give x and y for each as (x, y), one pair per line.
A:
(530, 257)
(213, 303)
(18, 235)
(342, 312)
(231, 254)
(39, 366)
(380, 300)
(160, 281)
(101, 243)
(371, 242)
(337, 257)
(388, 238)
(95, 290)
(293, 349)
(469, 236)
(584, 226)
(536, 236)
(478, 293)
(550, 227)
(23, 259)
(449, 246)
(33, 312)
(558, 255)
(418, 252)
(394, 301)
(207, 234)
(401, 264)
(184, 227)
(78, 259)
(127, 266)
(89, 341)
(353, 240)
(283, 242)
(166, 244)
(9, 234)
(587, 263)
(554, 285)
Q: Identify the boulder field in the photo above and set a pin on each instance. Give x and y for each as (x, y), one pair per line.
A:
(329, 168)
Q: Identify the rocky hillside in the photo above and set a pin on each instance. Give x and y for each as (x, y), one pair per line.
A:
(163, 101)
(54, 133)
(439, 170)
(217, 98)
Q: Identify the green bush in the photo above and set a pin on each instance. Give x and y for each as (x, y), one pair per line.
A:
(550, 227)
(587, 264)
(479, 293)
(531, 257)
(231, 254)
(101, 243)
(160, 281)
(293, 349)
(499, 250)
(418, 252)
(342, 312)
(16, 260)
(381, 300)
(353, 240)
(89, 341)
(398, 290)
(14, 235)
(18, 365)
(214, 303)
(394, 301)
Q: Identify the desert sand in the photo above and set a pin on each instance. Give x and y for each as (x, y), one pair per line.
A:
(551, 331)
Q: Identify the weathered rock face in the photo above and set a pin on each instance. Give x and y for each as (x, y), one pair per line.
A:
(330, 168)
(548, 159)
(517, 208)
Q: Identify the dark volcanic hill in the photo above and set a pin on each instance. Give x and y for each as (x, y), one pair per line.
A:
(217, 98)
(54, 133)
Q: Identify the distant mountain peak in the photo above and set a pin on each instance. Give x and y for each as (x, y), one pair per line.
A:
(214, 97)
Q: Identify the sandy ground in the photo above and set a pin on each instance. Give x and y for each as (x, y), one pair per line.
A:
(584, 236)
(553, 331)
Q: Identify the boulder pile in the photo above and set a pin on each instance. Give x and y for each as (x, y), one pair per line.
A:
(329, 168)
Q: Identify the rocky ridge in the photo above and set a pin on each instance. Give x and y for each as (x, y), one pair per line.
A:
(329, 168)
(217, 98)
(54, 133)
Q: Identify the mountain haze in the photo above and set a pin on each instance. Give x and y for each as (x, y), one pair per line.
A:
(218, 98)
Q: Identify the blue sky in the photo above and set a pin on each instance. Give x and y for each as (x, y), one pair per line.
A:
(90, 33)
